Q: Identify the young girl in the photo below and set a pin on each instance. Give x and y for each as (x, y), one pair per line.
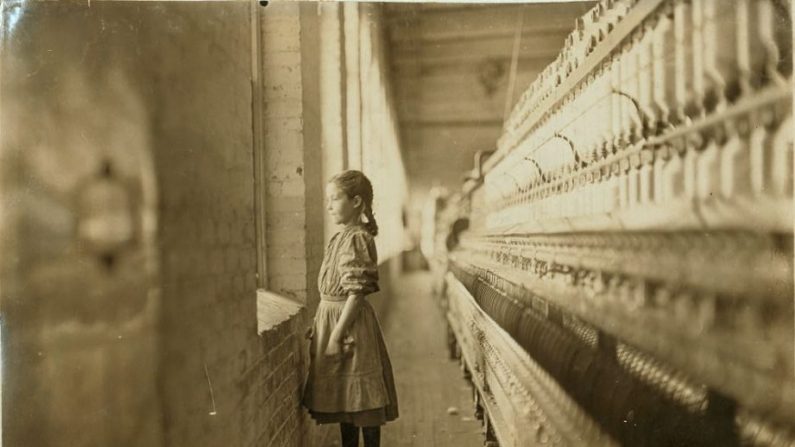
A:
(350, 378)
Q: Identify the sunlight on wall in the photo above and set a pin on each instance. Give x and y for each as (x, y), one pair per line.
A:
(381, 155)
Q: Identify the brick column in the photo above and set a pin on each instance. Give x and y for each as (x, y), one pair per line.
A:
(292, 150)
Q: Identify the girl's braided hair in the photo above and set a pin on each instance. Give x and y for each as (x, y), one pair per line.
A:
(355, 183)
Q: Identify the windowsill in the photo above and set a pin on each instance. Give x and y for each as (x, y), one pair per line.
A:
(274, 309)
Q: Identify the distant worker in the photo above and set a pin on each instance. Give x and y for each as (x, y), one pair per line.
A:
(456, 229)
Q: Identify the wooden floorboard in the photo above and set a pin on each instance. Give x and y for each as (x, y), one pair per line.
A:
(428, 382)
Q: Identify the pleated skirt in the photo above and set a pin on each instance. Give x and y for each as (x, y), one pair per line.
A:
(357, 387)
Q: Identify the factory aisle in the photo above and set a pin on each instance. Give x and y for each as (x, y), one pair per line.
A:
(428, 382)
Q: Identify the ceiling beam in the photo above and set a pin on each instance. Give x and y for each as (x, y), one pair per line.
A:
(458, 61)
(451, 123)
(399, 38)
(400, 35)
(476, 21)
(543, 46)
(450, 11)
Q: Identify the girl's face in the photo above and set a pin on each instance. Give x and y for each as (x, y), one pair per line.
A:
(342, 209)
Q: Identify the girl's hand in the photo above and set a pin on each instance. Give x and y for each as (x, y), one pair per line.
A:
(334, 348)
(310, 332)
(340, 348)
(347, 345)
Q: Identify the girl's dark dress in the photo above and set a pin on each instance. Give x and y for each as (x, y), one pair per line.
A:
(360, 388)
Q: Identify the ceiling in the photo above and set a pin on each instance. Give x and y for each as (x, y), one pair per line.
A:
(451, 70)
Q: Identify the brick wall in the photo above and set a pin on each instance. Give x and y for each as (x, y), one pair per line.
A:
(164, 351)
(281, 420)
(203, 137)
(128, 362)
